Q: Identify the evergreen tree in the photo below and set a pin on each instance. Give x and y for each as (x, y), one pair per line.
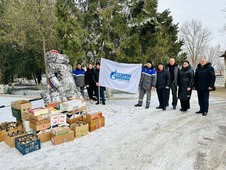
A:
(27, 31)
(70, 33)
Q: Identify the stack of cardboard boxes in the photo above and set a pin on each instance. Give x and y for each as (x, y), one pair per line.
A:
(37, 121)
(40, 123)
(74, 110)
(61, 122)
(95, 119)
(9, 131)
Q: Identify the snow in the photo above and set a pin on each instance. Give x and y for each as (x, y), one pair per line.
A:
(133, 138)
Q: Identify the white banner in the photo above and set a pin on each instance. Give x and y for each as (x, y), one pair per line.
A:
(120, 76)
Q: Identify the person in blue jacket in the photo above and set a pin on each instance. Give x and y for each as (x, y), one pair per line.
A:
(147, 83)
(79, 77)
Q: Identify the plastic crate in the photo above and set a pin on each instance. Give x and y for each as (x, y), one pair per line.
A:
(28, 147)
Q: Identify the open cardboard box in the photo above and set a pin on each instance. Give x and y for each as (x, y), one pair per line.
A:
(20, 109)
(56, 140)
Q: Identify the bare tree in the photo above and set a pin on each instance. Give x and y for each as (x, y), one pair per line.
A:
(196, 38)
(212, 55)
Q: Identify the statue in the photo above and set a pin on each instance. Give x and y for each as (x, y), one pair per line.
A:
(61, 83)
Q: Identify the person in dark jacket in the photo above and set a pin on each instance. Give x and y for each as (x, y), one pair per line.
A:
(89, 82)
(147, 83)
(79, 77)
(96, 80)
(204, 82)
(162, 86)
(173, 70)
(185, 83)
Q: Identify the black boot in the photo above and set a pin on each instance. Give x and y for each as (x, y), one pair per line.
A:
(159, 107)
(204, 113)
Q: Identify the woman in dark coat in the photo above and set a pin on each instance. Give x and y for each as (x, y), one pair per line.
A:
(185, 83)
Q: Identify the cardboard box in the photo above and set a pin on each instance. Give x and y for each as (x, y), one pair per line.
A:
(57, 131)
(102, 121)
(36, 123)
(74, 119)
(53, 119)
(72, 105)
(57, 119)
(80, 130)
(56, 140)
(11, 140)
(25, 115)
(39, 111)
(20, 109)
(37, 103)
(40, 117)
(39, 125)
(90, 116)
(62, 118)
(94, 124)
(44, 136)
(3, 133)
(1, 136)
(80, 109)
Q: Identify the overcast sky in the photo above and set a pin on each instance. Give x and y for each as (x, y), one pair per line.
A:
(209, 12)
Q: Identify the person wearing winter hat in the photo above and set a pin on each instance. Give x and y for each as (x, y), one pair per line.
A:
(147, 83)
(162, 86)
(79, 77)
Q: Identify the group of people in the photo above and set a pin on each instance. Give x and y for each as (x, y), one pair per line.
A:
(90, 80)
(181, 81)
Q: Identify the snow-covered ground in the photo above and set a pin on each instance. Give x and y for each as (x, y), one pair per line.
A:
(133, 138)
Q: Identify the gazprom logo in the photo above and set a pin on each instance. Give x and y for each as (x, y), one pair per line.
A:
(120, 76)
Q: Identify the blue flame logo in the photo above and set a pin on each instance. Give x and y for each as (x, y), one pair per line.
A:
(120, 76)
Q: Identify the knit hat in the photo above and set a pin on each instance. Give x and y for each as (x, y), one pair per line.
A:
(149, 61)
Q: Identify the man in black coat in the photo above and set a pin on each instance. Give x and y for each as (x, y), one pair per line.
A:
(204, 82)
(174, 71)
(89, 82)
(100, 94)
(162, 86)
